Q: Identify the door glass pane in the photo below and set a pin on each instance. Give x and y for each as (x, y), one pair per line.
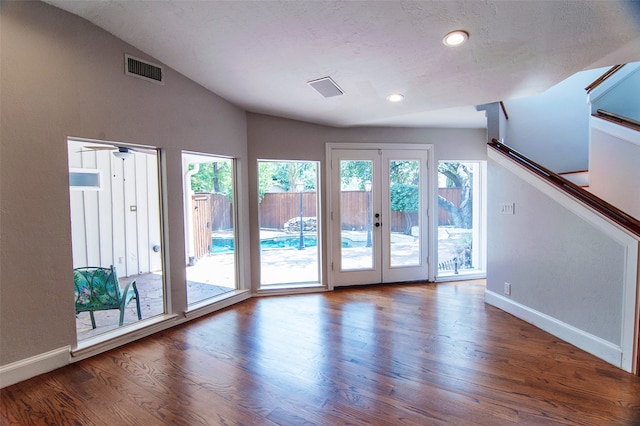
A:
(288, 206)
(209, 226)
(458, 218)
(356, 216)
(116, 238)
(404, 201)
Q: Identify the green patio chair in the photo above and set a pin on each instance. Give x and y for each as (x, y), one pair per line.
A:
(98, 289)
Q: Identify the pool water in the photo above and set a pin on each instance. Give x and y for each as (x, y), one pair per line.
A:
(226, 245)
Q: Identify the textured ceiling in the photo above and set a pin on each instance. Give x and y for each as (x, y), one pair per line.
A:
(260, 54)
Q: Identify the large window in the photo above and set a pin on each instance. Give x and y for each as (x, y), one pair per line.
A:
(209, 227)
(288, 212)
(116, 237)
(460, 219)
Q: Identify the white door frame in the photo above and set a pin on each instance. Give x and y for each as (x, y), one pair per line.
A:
(431, 196)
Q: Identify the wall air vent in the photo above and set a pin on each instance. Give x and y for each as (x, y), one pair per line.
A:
(326, 87)
(135, 67)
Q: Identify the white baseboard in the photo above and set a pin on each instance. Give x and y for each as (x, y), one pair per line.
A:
(594, 345)
(31, 367)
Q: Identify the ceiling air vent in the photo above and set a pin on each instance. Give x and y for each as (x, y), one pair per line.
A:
(326, 87)
(135, 67)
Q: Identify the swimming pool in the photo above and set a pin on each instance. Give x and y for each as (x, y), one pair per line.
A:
(226, 245)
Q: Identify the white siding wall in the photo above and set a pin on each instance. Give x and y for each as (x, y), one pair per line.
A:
(106, 231)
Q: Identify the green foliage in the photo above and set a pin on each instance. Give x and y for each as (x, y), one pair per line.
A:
(286, 174)
(404, 198)
(360, 171)
(405, 172)
(266, 177)
(355, 171)
(214, 177)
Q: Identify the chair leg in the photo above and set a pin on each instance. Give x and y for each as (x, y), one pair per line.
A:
(93, 320)
(135, 290)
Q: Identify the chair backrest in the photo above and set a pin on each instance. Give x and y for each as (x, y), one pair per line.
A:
(96, 288)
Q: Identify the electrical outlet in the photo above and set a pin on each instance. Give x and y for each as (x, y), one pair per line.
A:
(507, 289)
(507, 208)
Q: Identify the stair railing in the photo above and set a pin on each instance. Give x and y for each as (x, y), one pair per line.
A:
(599, 205)
(618, 119)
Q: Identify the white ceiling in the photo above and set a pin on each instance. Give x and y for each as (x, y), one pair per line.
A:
(260, 54)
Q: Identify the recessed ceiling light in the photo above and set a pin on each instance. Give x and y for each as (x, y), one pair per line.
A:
(455, 38)
(396, 97)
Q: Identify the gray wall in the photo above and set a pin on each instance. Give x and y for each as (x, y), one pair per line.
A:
(279, 138)
(60, 77)
(614, 173)
(622, 96)
(557, 263)
(552, 128)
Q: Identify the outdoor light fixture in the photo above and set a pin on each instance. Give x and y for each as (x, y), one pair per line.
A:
(396, 97)
(123, 153)
(455, 38)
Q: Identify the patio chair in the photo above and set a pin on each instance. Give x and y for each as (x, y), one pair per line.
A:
(98, 289)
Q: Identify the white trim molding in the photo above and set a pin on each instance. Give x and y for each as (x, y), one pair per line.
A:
(588, 342)
(34, 366)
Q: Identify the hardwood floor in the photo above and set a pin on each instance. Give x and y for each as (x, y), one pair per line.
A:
(417, 354)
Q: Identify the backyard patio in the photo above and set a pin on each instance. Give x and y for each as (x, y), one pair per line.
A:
(202, 284)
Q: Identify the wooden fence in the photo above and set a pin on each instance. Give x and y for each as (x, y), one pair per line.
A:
(212, 212)
(278, 207)
(453, 195)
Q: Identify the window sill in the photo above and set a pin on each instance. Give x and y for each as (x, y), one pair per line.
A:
(120, 336)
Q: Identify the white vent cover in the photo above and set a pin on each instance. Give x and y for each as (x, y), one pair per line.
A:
(326, 87)
(135, 67)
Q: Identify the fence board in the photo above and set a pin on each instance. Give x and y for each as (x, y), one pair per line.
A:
(278, 207)
(453, 195)
(201, 204)
(210, 212)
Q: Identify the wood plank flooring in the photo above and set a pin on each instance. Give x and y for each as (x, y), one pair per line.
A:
(417, 354)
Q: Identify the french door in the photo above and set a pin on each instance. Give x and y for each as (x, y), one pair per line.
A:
(379, 215)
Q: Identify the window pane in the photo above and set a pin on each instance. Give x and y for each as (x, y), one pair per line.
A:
(209, 226)
(117, 226)
(356, 214)
(404, 181)
(458, 219)
(288, 205)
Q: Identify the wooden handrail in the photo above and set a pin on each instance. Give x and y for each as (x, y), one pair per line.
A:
(504, 110)
(599, 205)
(618, 119)
(603, 77)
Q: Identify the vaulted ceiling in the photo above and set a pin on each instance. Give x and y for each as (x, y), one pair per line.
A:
(260, 55)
